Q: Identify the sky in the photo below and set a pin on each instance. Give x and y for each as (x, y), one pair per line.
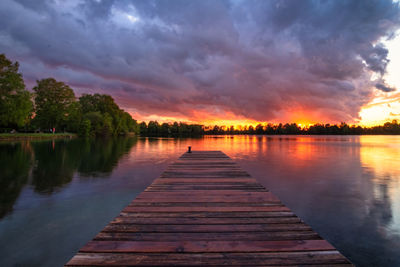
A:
(216, 62)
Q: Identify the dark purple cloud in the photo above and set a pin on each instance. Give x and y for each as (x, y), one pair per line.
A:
(385, 88)
(262, 60)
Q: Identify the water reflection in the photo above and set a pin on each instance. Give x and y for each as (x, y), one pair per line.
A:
(382, 159)
(50, 165)
(346, 187)
(54, 165)
(15, 164)
(100, 158)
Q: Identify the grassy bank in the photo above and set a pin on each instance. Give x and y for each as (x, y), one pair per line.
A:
(33, 136)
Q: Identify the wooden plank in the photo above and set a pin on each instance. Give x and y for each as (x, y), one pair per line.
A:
(188, 163)
(204, 169)
(136, 208)
(206, 246)
(177, 188)
(180, 189)
(206, 193)
(206, 173)
(210, 236)
(310, 258)
(204, 210)
(201, 195)
(206, 186)
(204, 180)
(182, 228)
(173, 197)
(193, 220)
(248, 215)
(203, 204)
(263, 199)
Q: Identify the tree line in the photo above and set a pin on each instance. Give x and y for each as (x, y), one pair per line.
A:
(154, 129)
(53, 107)
(316, 129)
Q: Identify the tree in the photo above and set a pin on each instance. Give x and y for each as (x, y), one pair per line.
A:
(251, 129)
(100, 124)
(74, 118)
(164, 129)
(143, 129)
(98, 102)
(259, 129)
(118, 122)
(197, 129)
(84, 128)
(129, 124)
(153, 128)
(174, 129)
(15, 102)
(53, 103)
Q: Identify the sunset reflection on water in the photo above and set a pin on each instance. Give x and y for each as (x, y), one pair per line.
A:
(382, 157)
(345, 187)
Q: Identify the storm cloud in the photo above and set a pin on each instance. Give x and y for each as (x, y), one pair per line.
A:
(261, 60)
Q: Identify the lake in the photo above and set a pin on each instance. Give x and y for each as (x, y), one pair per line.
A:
(57, 195)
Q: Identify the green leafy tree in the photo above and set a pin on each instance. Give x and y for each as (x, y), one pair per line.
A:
(54, 101)
(143, 129)
(84, 128)
(174, 129)
(129, 124)
(107, 127)
(98, 102)
(153, 128)
(164, 129)
(15, 102)
(74, 118)
(96, 122)
(115, 122)
(197, 130)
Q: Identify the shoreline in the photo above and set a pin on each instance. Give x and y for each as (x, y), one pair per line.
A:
(35, 136)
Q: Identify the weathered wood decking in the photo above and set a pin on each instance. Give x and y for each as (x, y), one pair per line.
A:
(205, 210)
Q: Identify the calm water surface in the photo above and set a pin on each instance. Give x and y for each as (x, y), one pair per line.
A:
(57, 195)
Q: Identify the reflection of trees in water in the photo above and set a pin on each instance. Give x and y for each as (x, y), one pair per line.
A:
(99, 157)
(14, 171)
(58, 161)
(380, 217)
(53, 164)
(382, 208)
(373, 233)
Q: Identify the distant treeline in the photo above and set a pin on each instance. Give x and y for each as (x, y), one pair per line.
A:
(316, 129)
(153, 129)
(53, 107)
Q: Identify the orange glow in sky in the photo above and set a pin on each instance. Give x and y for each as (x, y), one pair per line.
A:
(386, 106)
(230, 120)
(382, 108)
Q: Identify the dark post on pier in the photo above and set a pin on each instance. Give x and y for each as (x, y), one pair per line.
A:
(204, 210)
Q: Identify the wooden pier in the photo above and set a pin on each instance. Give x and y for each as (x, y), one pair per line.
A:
(204, 210)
